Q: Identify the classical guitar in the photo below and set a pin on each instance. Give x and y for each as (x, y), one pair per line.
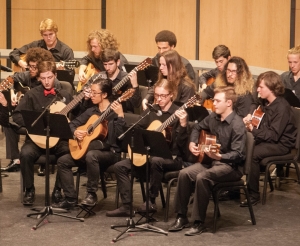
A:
(20, 90)
(96, 127)
(6, 84)
(256, 117)
(139, 159)
(208, 103)
(88, 73)
(208, 141)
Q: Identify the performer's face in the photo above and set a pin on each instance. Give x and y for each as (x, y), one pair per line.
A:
(47, 79)
(49, 38)
(162, 98)
(164, 46)
(97, 95)
(96, 48)
(294, 63)
(32, 66)
(220, 62)
(263, 90)
(231, 73)
(111, 67)
(163, 66)
(221, 104)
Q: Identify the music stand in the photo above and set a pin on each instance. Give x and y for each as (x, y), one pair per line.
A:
(40, 124)
(150, 143)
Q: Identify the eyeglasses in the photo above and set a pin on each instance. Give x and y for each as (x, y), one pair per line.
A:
(32, 67)
(46, 78)
(95, 93)
(162, 96)
(231, 71)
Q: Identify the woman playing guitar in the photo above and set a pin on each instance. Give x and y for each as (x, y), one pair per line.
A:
(101, 152)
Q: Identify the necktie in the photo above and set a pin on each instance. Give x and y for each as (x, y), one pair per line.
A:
(47, 92)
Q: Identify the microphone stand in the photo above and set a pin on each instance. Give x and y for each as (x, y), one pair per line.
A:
(130, 222)
(48, 210)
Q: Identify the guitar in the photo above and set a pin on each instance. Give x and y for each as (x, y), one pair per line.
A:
(256, 118)
(60, 108)
(208, 103)
(71, 64)
(89, 72)
(209, 141)
(95, 127)
(20, 90)
(156, 125)
(6, 84)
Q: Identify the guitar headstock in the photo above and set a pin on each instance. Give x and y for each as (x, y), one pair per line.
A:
(71, 64)
(146, 63)
(6, 84)
(194, 100)
(126, 95)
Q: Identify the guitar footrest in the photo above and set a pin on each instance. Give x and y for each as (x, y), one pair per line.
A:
(87, 209)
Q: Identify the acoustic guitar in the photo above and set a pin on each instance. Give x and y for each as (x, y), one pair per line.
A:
(20, 90)
(156, 125)
(256, 118)
(208, 141)
(208, 103)
(6, 84)
(96, 127)
(88, 73)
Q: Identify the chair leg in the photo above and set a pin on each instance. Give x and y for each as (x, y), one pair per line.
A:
(216, 210)
(143, 190)
(250, 206)
(77, 185)
(266, 180)
(103, 184)
(170, 183)
(117, 197)
(162, 196)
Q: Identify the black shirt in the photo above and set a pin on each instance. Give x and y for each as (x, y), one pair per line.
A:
(230, 133)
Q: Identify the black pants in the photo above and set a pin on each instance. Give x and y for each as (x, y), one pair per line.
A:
(12, 140)
(200, 179)
(94, 160)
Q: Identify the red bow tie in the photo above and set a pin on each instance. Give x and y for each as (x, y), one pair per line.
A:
(52, 91)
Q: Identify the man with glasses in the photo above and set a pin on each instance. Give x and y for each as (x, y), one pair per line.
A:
(37, 99)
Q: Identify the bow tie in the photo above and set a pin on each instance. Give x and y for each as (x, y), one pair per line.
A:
(52, 91)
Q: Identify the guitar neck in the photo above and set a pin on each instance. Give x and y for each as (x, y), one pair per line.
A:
(122, 82)
(72, 104)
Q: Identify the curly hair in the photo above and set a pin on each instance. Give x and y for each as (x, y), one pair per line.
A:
(272, 81)
(105, 39)
(244, 82)
(176, 69)
(38, 55)
(166, 36)
(48, 25)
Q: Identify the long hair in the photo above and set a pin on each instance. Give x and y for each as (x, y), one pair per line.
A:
(244, 81)
(167, 85)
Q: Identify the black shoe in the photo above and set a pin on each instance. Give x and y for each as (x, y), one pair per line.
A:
(253, 201)
(29, 197)
(90, 199)
(196, 229)
(11, 167)
(123, 211)
(179, 224)
(57, 197)
(65, 203)
(41, 171)
(152, 208)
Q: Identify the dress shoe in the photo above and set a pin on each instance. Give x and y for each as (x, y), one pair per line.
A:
(253, 201)
(123, 211)
(29, 197)
(179, 224)
(57, 197)
(13, 166)
(152, 208)
(90, 199)
(196, 229)
(41, 171)
(65, 203)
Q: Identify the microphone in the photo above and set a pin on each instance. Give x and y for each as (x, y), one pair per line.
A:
(6, 69)
(152, 109)
(62, 98)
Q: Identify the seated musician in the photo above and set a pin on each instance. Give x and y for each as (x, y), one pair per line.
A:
(111, 62)
(99, 153)
(97, 42)
(172, 69)
(60, 51)
(164, 92)
(276, 134)
(36, 100)
(235, 73)
(221, 54)
(221, 166)
(24, 81)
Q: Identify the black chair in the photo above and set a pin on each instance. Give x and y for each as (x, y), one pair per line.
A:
(283, 161)
(235, 185)
(66, 75)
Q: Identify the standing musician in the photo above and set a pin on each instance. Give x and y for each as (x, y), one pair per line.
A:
(235, 73)
(221, 54)
(172, 69)
(100, 154)
(276, 134)
(111, 62)
(165, 91)
(59, 50)
(36, 100)
(230, 133)
(97, 42)
(23, 81)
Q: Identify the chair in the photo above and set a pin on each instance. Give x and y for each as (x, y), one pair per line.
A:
(283, 161)
(234, 185)
(143, 90)
(66, 76)
(67, 87)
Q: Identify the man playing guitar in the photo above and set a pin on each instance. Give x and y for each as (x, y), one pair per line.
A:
(230, 133)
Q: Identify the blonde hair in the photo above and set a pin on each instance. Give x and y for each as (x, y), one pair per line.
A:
(167, 85)
(294, 51)
(48, 25)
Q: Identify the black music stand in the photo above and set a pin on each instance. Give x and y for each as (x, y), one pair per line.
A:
(40, 124)
(149, 143)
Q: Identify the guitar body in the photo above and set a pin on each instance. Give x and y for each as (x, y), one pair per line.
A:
(139, 159)
(89, 72)
(41, 140)
(79, 148)
(257, 116)
(205, 140)
(208, 103)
